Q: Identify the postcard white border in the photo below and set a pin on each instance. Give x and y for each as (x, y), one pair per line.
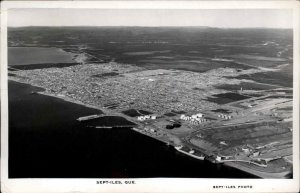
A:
(152, 184)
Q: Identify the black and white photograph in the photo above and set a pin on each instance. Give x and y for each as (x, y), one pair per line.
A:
(139, 94)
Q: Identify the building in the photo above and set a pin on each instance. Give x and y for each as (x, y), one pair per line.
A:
(194, 119)
(146, 117)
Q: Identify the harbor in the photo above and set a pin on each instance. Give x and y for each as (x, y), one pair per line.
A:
(151, 157)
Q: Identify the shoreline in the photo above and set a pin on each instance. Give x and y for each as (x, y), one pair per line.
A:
(227, 164)
(67, 99)
(106, 113)
(264, 175)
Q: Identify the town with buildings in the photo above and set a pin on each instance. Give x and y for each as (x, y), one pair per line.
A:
(247, 129)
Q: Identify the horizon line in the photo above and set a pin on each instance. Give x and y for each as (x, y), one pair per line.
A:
(150, 26)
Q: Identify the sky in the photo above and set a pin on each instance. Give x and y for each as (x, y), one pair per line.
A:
(229, 18)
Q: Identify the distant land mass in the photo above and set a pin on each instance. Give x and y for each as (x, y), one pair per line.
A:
(187, 48)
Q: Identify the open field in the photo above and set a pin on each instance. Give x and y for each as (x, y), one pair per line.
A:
(247, 86)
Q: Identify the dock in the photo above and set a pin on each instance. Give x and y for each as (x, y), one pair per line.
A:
(89, 117)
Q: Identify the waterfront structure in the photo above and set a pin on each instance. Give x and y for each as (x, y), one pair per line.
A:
(146, 117)
(85, 118)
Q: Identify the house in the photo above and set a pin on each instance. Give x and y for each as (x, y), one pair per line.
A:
(140, 118)
(199, 115)
(153, 116)
(255, 154)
